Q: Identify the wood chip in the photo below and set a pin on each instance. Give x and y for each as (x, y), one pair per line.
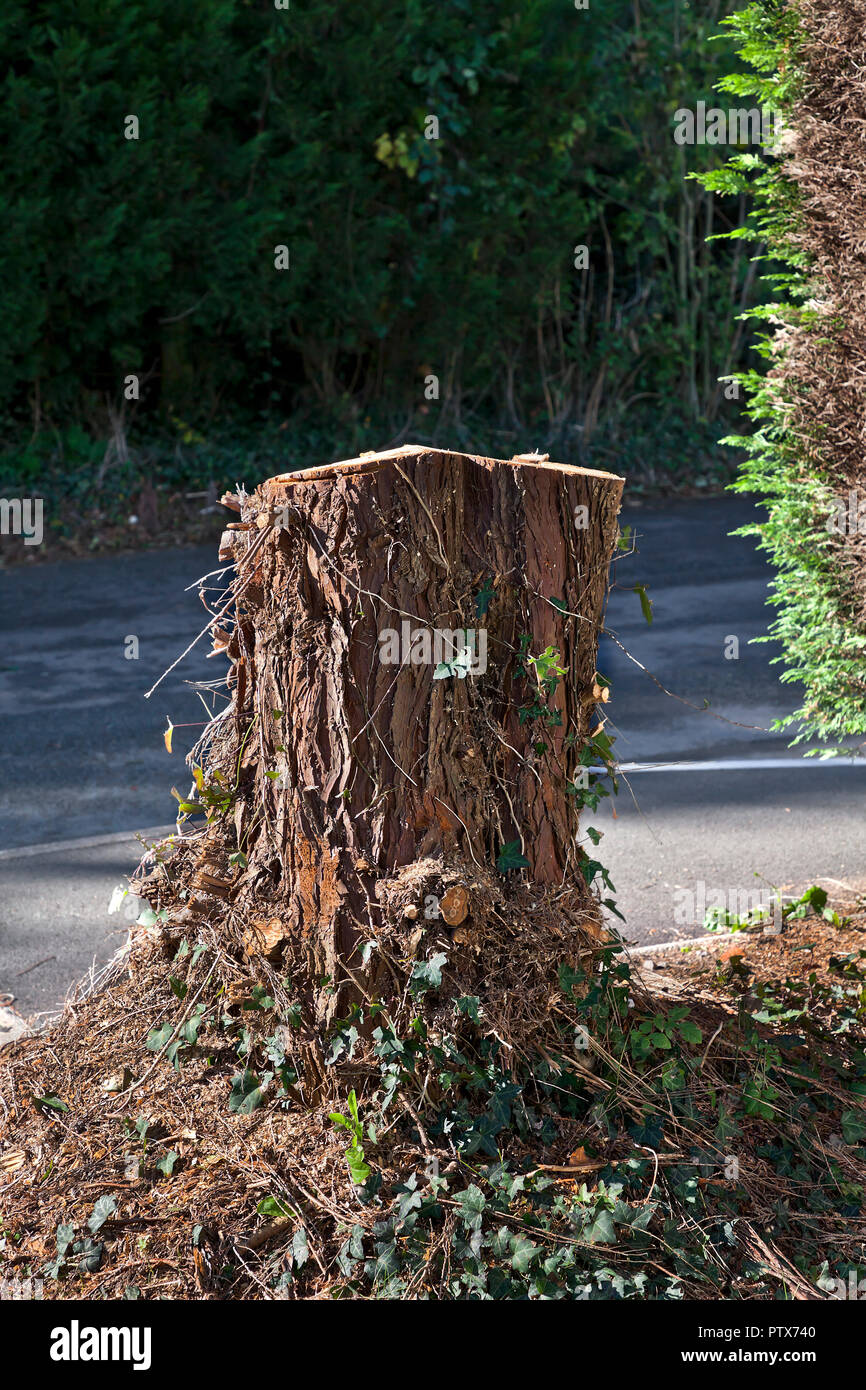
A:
(454, 905)
(265, 938)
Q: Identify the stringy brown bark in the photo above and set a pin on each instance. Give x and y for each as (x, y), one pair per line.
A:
(346, 771)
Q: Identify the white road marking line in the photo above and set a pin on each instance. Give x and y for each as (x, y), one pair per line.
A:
(682, 943)
(720, 765)
(91, 842)
(740, 765)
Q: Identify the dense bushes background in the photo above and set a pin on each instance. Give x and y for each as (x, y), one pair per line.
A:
(409, 257)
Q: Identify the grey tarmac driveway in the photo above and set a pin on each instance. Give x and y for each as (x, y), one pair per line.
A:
(733, 829)
(83, 755)
(82, 751)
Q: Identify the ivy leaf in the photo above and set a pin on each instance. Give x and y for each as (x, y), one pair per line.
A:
(427, 974)
(275, 1208)
(853, 1126)
(524, 1253)
(459, 667)
(91, 1255)
(757, 1101)
(482, 601)
(51, 1101)
(510, 857)
(105, 1207)
(646, 606)
(157, 1038)
(259, 999)
(247, 1092)
(473, 1204)
(601, 1231)
(64, 1238)
(190, 1030)
(469, 1004)
(815, 897)
(345, 1040)
(300, 1248)
(648, 1133)
(167, 1162)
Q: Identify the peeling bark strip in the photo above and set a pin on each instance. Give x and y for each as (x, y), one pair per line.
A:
(362, 767)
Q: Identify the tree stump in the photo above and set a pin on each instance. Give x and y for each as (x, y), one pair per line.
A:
(413, 680)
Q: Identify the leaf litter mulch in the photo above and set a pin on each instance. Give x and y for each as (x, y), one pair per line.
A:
(691, 1127)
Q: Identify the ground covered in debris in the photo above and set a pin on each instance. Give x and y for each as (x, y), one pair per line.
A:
(817, 957)
(694, 1130)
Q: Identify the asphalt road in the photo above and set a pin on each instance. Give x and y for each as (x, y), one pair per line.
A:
(734, 830)
(83, 755)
